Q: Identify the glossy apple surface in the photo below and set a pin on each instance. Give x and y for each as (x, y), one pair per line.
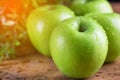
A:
(90, 6)
(79, 47)
(111, 24)
(42, 21)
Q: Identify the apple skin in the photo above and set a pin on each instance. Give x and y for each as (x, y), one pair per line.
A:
(78, 47)
(81, 7)
(111, 24)
(42, 21)
(70, 1)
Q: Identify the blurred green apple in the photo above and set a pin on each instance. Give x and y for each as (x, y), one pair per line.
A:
(111, 24)
(78, 47)
(70, 1)
(42, 21)
(82, 7)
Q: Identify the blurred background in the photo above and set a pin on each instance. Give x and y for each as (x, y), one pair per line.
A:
(114, 0)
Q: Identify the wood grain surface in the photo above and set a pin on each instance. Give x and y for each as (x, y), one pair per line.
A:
(38, 67)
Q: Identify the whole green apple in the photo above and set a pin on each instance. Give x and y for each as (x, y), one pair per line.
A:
(82, 7)
(42, 21)
(79, 47)
(111, 24)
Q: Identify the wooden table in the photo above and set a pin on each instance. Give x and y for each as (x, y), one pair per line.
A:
(38, 67)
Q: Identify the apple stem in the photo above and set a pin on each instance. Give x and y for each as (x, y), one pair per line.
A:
(82, 29)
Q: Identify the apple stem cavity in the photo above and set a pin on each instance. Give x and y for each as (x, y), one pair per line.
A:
(82, 28)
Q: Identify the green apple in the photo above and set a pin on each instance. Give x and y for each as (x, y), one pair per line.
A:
(42, 21)
(82, 7)
(111, 24)
(70, 1)
(79, 47)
